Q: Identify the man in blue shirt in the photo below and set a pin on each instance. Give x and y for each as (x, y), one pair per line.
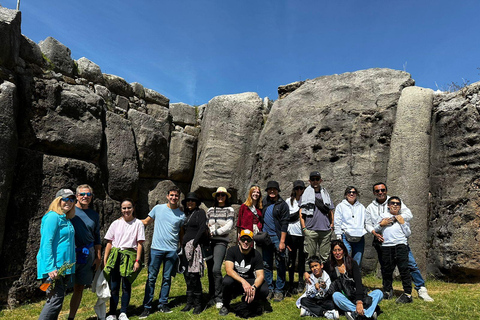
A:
(168, 220)
(88, 246)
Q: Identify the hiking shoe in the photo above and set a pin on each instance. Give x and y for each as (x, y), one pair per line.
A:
(423, 294)
(122, 316)
(223, 311)
(277, 296)
(144, 314)
(112, 317)
(350, 315)
(164, 309)
(219, 305)
(387, 295)
(332, 314)
(404, 298)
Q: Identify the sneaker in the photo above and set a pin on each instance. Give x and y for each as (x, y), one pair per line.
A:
(304, 312)
(387, 295)
(332, 314)
(270, 294)
(374, 315)
(164, 309)
(223, 311)
(404, 298)
(277, 296)
(145, 313)
(219, 305)
(122, 316)
(350, 315)
(112, 317)
(423, 294)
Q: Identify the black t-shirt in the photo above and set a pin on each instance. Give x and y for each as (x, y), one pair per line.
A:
(245, 265)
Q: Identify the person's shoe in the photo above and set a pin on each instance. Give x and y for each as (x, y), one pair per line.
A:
(223, 311)
(164, 309)
(219, 305)
(112, 317)
(300, 288)
(122, 316)
(404, 298)
(423, 294)
(374, 315)
(277, 296)
(270, 295)
(350, 315)
(144, 314)
(387, 295)
(304, 312)
(332, 314)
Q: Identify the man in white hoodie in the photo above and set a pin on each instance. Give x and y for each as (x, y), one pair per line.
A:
(375, 213)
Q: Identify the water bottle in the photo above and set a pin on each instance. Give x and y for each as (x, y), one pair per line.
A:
(44, 286)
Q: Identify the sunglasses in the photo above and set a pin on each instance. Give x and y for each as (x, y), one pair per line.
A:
(351, 192)
(68, 199)
(315, 179)
(395, 203)
(221, 195)
(246, 239)
(84, 194)
(298, 188)
(380, 190)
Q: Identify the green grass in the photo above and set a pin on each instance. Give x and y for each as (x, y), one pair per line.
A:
(452, 301)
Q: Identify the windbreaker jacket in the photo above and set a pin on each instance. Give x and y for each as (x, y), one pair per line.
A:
(281, 214)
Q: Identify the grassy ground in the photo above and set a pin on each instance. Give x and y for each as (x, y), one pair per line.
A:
(452, 301)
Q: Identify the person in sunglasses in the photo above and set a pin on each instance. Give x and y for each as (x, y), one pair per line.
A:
(375, 212)
(57, 248)
(220, 222)
(88, 246)
(244, 267)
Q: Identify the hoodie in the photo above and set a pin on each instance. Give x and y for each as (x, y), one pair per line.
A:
(375, 212)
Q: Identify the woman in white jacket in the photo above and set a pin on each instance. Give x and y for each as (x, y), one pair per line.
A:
(349, 224)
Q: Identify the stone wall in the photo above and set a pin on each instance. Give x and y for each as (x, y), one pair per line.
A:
(64, 122)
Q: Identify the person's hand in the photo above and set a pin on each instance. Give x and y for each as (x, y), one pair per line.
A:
(249, 291)
(97, 263)
(360, 310)
(306, 276)
(281, 246)
(323, 284)
(378, 236)
(53, 275)
(400, 219)
(136, 266)
(317, 285)
(385, 222)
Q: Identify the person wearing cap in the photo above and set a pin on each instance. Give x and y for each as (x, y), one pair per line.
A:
(57, 249)
(250, 214)
(244, 267)
(275, 215)
(295, 238)
(193, 237)
(220, 222)
(316, 219)
(88, 246)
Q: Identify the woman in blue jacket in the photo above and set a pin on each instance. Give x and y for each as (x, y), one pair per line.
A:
(57, 248)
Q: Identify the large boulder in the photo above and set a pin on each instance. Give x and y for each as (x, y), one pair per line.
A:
(158, 112)
(89, 70)
(64, 120)
(182, 157)
(226, 149)
(121, 157)
(183, 114)
(153, 96)
(58, 56)
(8, 143)
(454, 228)
(118, 85)
(10, 36)
(152, 144)
(30, 51)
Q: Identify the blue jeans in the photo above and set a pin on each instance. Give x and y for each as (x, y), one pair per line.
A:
(115, 282)
(355, 249)
(346, 305)
(414, 271)
(156, 258)
(268, 254)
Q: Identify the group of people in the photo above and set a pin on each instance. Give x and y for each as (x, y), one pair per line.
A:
(306, 233)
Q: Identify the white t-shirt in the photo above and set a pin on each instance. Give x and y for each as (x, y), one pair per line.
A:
(125, 235)
(294, 228)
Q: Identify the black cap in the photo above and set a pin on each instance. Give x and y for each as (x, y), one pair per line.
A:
(273, 184)
(298, 183)
(191, 196)
(315, 174)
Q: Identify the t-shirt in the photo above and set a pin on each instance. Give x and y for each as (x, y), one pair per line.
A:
(87, 227)
(318, 221)
(294, 228)
(245, 264)
(125, 235)
(268, 221)
(167, 226)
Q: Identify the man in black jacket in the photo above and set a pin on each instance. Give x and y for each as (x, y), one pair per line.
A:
(275, 215)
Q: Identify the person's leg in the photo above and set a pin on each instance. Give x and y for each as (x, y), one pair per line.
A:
(377, 296)
(377, 245)
(83, 276)
(156, 257)
(313, 307)
(115, 280)
(343, 303)
(190, 286)
(357, 251)
(301, 262)
(55, 298)
(126, 294)
(415, 271)
(347, 244)
(169, 262)
(211, 281)
(292, 257)
(310, 246)
(228, 286)
(218, 255)
(401, 256)
(197, 293)
(388, 267)
(76, 299)
(324, 244)
(268, 265)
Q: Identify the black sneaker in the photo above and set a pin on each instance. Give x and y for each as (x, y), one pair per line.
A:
(387, 295)
(404, 298)
(145, 313)
(223, 311)
(270, 294)
(350, 315)
(164, 309)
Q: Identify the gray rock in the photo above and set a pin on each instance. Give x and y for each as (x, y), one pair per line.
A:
(158, 112)
(200, 111)
(122, 103)
(10, 37)
(106, 96)
(30, 51)
(182, 114)
(285, 90)
(89, 70)
(118, 85)
(226, 148)
(58, 56)
(178, 128)
(193, 131)
(153, 96)
(121, 158)
(182, 157)
(152, 144)
(138, 90)
(8, 141)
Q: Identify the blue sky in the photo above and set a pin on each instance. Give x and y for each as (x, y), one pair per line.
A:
(191, 51)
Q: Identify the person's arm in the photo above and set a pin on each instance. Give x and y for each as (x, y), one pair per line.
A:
(284, 216)
(302, 220)
(202, 226)
(404, 225)
(108, 248)
(337, 221)
(357, 277)
(331, 217)
(136, 265)
(148, 220)
(228, 225)
(406, 213)
(240, 218)
(229, 268)
(47, 232)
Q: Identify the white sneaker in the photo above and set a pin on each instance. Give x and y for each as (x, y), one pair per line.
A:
(111, 317)
(332, 314)
(304, 312)
(122, 316)
(423, 294)
(219, 305)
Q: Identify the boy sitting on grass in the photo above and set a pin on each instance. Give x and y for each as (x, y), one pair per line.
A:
(314, 301)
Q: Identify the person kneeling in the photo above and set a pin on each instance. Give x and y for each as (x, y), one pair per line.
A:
(315, 301)
(244, 266)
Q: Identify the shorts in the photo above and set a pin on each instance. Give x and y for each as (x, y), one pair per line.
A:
(84, 272)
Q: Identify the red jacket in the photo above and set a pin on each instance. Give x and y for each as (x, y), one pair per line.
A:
(245, 218)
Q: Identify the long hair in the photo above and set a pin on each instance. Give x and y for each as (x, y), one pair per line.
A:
(57, 207)
(350, 188)
(227, 202)
(249, 200)
(346, 258)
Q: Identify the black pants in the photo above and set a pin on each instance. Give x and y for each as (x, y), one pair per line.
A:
(317, 306)
(194, 285)
(296, 243)
(233, 288)
(396, 256)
